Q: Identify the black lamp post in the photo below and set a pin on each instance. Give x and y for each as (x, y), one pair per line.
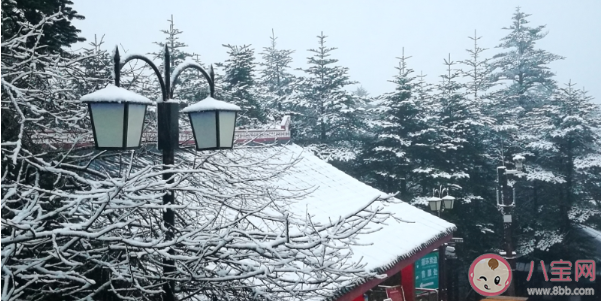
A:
(118, 115)
(438, 204)
(506, 200)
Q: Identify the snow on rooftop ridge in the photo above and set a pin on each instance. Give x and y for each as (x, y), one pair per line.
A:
(112, 93)
(210, 104)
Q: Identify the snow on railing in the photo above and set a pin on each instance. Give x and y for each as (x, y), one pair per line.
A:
(85, 139)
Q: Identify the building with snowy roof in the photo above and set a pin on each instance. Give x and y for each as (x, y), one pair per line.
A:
(391, 251)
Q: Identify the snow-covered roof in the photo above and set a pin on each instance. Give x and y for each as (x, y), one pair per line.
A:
(337, 194)
(112, 93)
(209, 104)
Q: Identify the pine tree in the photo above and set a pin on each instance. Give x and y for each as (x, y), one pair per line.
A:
(96, 70)
(389, 157)
(275, 80)
(239, 84)
(457, 162)
(329, 112)
(459, 122)
(524, 66)
(530, 88)
(565, 140)
(479, 72)
(57, 34)
(191, 86)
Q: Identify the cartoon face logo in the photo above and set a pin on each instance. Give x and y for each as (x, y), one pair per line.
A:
(490, 275)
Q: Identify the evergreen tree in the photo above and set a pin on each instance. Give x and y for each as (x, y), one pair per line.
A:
(191, 86)
(389, 157)
(58, 34)
(479, 72)
(329, 114)
(565, 140)
(96, 70)
(239, 84)
(530, 88)
(457, 162)
(361, 92)
(275, 80)
(459, 123)
(524, 66)
(530, 84)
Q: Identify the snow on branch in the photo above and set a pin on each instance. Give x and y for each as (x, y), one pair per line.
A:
(84, 224)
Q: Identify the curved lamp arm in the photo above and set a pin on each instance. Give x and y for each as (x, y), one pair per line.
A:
(119, 64)
(209, 77)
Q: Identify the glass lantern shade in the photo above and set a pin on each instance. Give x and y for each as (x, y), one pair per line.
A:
(117, 117)
(435, 204)
(117, 125)
(212, 123)
(213, 129)
(518, 162)
(448, 202)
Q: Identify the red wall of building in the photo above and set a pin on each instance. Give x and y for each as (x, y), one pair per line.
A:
(407, 282)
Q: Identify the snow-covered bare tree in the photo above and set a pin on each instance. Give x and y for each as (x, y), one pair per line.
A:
(79, 224)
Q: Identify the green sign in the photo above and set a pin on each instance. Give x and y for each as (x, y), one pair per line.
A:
(426, 271)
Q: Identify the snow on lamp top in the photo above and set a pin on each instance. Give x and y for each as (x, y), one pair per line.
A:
(112, 93)
(449, 197)
(210, 104)
(518, 158)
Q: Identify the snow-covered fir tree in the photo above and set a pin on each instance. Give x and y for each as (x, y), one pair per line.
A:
(523, 66)
(529, 83)
(399, 121)
(329, 115)
(478, 72)
(191, 86)
(96, 68)
(459, 122)
(239, 84)
(564, 142)
(276, 83)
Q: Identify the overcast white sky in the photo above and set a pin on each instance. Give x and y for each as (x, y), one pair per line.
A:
(369, 35)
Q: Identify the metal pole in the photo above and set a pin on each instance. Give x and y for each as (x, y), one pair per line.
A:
(506, 197)
(116, 67)
(167, 130)
(442, 287)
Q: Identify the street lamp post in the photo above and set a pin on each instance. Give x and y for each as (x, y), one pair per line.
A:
(438, 204)
(118, 115)
(506, 201)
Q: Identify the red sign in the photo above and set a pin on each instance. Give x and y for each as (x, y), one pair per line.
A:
(395, 293)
